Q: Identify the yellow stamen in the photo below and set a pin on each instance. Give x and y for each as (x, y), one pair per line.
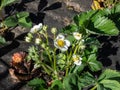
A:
(75, 58)
(60, 43)
(78, 35)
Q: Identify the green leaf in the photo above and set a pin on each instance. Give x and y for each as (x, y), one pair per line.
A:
(77, 69)
(24, 20)
(103, 26)
(86, 79)
(111, 84)
(11, 21)
(6, 2)
(96, 22)
(94, 65)
(37, 84)
(2, 40)
(92, 41)
(71, 38)
(56, 85)
(115, 9)
(22, 14)
(81, 19)
(101, 87)
(71, 81)
(109, 74)
(69, 29)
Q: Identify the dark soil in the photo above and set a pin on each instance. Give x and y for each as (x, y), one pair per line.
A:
(54, 13)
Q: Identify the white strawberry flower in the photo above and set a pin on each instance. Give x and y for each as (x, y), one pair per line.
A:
(36, 28)
(77, 60)
(61, 43)
(77, 35)
(38, 40)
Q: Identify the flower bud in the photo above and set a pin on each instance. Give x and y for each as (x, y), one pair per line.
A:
(53, 30)
(82, 47)
(43, 45)
(45, 27)
(30, 35)
(38, 41)
(36, 28)
(77, 35)
(28, 39)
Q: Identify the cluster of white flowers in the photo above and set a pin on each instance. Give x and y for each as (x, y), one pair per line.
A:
(63, 44)
(60, 41)
(33, 30)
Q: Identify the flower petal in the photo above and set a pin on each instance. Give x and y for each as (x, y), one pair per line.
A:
(55, 44)
(67, 43)
(36, 28)
(60, 36)
(77, 35)
(78, 62)
(65, 48)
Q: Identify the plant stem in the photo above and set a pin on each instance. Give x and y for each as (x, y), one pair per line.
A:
(68, 61)
(94, 87)
(47, 38)
(55, 59)
(48, 53)
(66, 73)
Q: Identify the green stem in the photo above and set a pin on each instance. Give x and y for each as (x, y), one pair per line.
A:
(48, 53)
(66, 73)
(76, 49)
(94, 87)
(68, 61)
(46, 70)
(47, 38)
(55, 59)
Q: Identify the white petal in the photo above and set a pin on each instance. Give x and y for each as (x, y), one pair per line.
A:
(77, 35)
(36, 28)
(60, 36)
(64, 48)
(40, 25)
(74, 56)
(78, 62)
(67, 43)
(55, 44)
(74, 33)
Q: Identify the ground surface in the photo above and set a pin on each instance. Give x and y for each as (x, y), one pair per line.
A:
(54, 13)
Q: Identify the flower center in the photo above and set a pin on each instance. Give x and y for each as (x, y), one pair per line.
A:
(76, 58)
(78, 35)
(60, 43)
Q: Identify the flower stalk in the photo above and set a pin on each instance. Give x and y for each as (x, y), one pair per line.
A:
(94, 88)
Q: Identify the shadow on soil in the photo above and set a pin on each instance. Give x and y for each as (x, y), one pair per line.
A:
(106, 50)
